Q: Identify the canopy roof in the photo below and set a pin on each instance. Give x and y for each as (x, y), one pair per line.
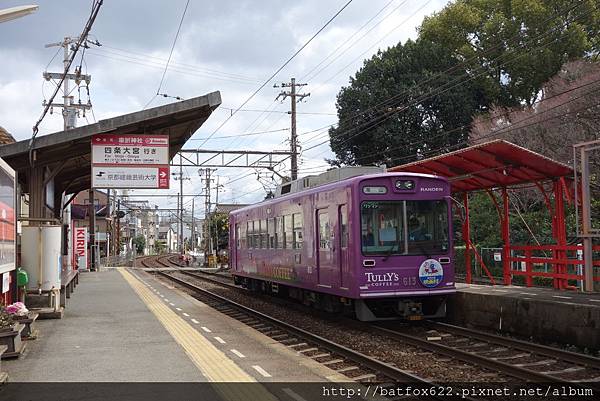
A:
(488, 165)
(67, 153)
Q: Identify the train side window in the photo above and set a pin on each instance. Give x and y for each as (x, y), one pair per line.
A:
(249, 234)
(237, 236)
(324, 231)
(298, 224)
(279, 232)
(254, 225)
(271, 239)
(344, 226)
(263, 234)
(287, 232)
(243, 236)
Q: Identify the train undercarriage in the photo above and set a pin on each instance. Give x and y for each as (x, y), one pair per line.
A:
(396, 308)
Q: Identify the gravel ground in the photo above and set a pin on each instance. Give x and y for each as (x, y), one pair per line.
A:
(423, 364)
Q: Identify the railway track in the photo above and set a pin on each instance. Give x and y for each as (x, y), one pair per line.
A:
(519, 359)
(304, 342)
(514, 358)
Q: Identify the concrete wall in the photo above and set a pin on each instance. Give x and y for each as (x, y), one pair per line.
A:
(550, 322)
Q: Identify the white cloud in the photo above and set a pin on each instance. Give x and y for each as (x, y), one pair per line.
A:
(230, 46)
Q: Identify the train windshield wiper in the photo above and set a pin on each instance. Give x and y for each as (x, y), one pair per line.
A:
(391, 250)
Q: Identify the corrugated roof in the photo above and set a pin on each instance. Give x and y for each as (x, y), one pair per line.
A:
(488, 165)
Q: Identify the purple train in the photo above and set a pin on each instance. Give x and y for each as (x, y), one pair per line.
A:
(377, 246)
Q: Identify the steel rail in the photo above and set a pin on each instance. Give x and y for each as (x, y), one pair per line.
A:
(201, 276)
(383, 368)
(572, 357)
(465, 356)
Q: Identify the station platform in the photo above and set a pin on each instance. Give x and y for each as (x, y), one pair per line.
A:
(557, 317)
(124, 326)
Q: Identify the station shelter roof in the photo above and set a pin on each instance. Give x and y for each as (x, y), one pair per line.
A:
(69, 152)
(493, 164)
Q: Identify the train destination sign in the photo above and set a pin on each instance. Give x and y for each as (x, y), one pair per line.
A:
(130, 161)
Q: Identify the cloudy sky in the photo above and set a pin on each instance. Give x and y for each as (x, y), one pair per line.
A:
(229, 46)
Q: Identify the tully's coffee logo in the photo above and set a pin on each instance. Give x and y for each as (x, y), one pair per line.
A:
(382, 279)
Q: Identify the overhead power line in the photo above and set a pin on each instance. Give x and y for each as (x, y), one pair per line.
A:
(239, 135)
(267, 113)
(385, 17)
(515, 125)
(357, 130)
(86, 30)
(161, 61)
(279, 70)
(170, 54)
(278, 111)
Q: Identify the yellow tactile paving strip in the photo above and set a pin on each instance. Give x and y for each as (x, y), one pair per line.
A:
(215, 365)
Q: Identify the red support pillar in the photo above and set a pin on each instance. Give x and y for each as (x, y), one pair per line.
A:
(560, 233)
(506, 238)
(466, 230)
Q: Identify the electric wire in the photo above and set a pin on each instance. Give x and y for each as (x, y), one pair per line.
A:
(279, 70)
(170, 53)
(88, 26)
(387, 101)
(439, 90)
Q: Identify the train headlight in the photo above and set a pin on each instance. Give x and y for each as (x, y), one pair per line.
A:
(405, 185)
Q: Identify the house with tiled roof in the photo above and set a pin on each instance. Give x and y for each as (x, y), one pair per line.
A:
(5, 137)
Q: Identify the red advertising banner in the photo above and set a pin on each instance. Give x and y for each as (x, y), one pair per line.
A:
(7, 218)
(80, 241)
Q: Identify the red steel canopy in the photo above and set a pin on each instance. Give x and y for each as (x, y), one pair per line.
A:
(493, 164)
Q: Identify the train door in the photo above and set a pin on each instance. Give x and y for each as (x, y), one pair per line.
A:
(237, 244)
(327, 269)
(342, 244)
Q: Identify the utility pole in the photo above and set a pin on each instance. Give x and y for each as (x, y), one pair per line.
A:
(178, 220)
(70, 109)
(207, 235)
(295, 98)
(109, 237)
(193, 236)
(118, 236)
(181, 245)
(179, 176)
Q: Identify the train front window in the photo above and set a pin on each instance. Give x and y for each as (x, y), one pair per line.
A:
(427, 227)
(382, 230)
(404, 227)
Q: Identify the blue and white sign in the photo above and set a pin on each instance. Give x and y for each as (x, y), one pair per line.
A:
(431, 273)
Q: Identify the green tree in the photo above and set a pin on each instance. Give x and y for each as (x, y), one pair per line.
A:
(160, 247)
(139, 242)
(374, 129)
(220, 223)
(513, 47)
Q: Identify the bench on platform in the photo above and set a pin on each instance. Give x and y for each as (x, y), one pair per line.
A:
(69, 281)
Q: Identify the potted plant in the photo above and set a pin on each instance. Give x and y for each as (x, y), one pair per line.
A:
(10, 334)
(21, 314)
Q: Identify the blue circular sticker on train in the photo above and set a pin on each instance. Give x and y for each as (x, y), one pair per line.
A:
(431, 273)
